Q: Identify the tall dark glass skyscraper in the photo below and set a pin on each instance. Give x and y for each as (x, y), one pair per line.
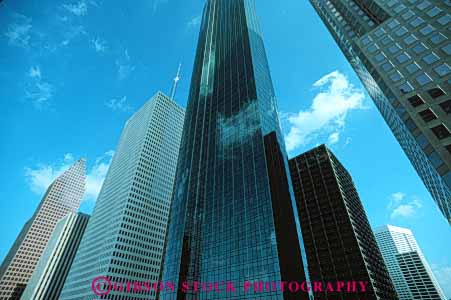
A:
(401, 51)
(338, 238)
(232, 212)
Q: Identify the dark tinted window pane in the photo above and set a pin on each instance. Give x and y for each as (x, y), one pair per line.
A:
(448, 147)
(441, 132)
(415, 101)
(436, 92)
(446, 106)
(427, 115)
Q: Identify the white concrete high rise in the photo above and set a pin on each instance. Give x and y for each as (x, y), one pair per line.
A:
(125, 236)
(407, 266)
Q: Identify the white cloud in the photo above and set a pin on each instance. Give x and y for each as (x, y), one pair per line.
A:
(194, 22)
(35, 72)
(42, 175)
(79, 9)
(401, 207)
(19, 32)
(124, 66)
(120, 104)
(443, 275)
(38, 91)
(99, 45)
(327, 113)
(333, 138)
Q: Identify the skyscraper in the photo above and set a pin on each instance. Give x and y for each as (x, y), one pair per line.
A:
(339, 242)
(51, 271)
(125, 236)
(232, 212)
(63, 196)
(411, 274)
(400, 49)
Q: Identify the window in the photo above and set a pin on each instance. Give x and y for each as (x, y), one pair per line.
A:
(395, 77)
(423, 5)
(417, 22)
(394, 49)
(448, 147)
(410, 39)
(405, 88)
(423, 79)
(399, 8)
(410, 124)
(366, 40)
(420, 48)
(379, 57)
(415, 101)
(446, 106)
(412, 68)
(437, 38)
(392, 24)
(435, 159)
(427, 115)
(434, 11)
(436, 92)
(380, 32)
(422, 141)
(372, 48)
(386, 40)
(387, 66)
(431, 58)
(403, 58)
(442, 70)
(401, 31)
(407, 15)
(447, 49)
(441, 132)
(427, 30)
(444, 20)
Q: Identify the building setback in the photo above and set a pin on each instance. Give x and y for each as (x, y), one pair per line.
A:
(51, 271)
(232, 216)
(63, 196)
(125, 237)
(400, 49)
(338, 239)
(411, 273)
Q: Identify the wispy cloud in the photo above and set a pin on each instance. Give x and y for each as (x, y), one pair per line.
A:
(78, 9)
(443, 275)
(124, 66)
(19, 32)
(333, 138)
(99, 45)
(194, 22)
(120, 104)
(327, 113)
(38, 91)
(156, 5)
(401, 206)
(40, 176)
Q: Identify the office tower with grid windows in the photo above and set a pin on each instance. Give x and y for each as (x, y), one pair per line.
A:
(401, 51)
(408, 268)
(51, 271)
(339, 242)
(232, 214)
(63, 196)
(125, 236)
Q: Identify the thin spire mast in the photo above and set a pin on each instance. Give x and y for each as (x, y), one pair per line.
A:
(176, 80)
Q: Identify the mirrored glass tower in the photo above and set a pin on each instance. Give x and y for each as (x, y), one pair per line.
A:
(232, 212)
(401, 51)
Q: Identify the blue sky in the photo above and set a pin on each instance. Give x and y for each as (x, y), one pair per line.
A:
(73, 72)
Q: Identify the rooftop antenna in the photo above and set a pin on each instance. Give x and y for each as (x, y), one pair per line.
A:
(176, 80)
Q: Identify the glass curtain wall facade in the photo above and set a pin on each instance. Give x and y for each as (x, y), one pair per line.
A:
(225, 219)
(124, 239)
(338, 238)
(63, 196)
(400, 49)
(408, 268)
